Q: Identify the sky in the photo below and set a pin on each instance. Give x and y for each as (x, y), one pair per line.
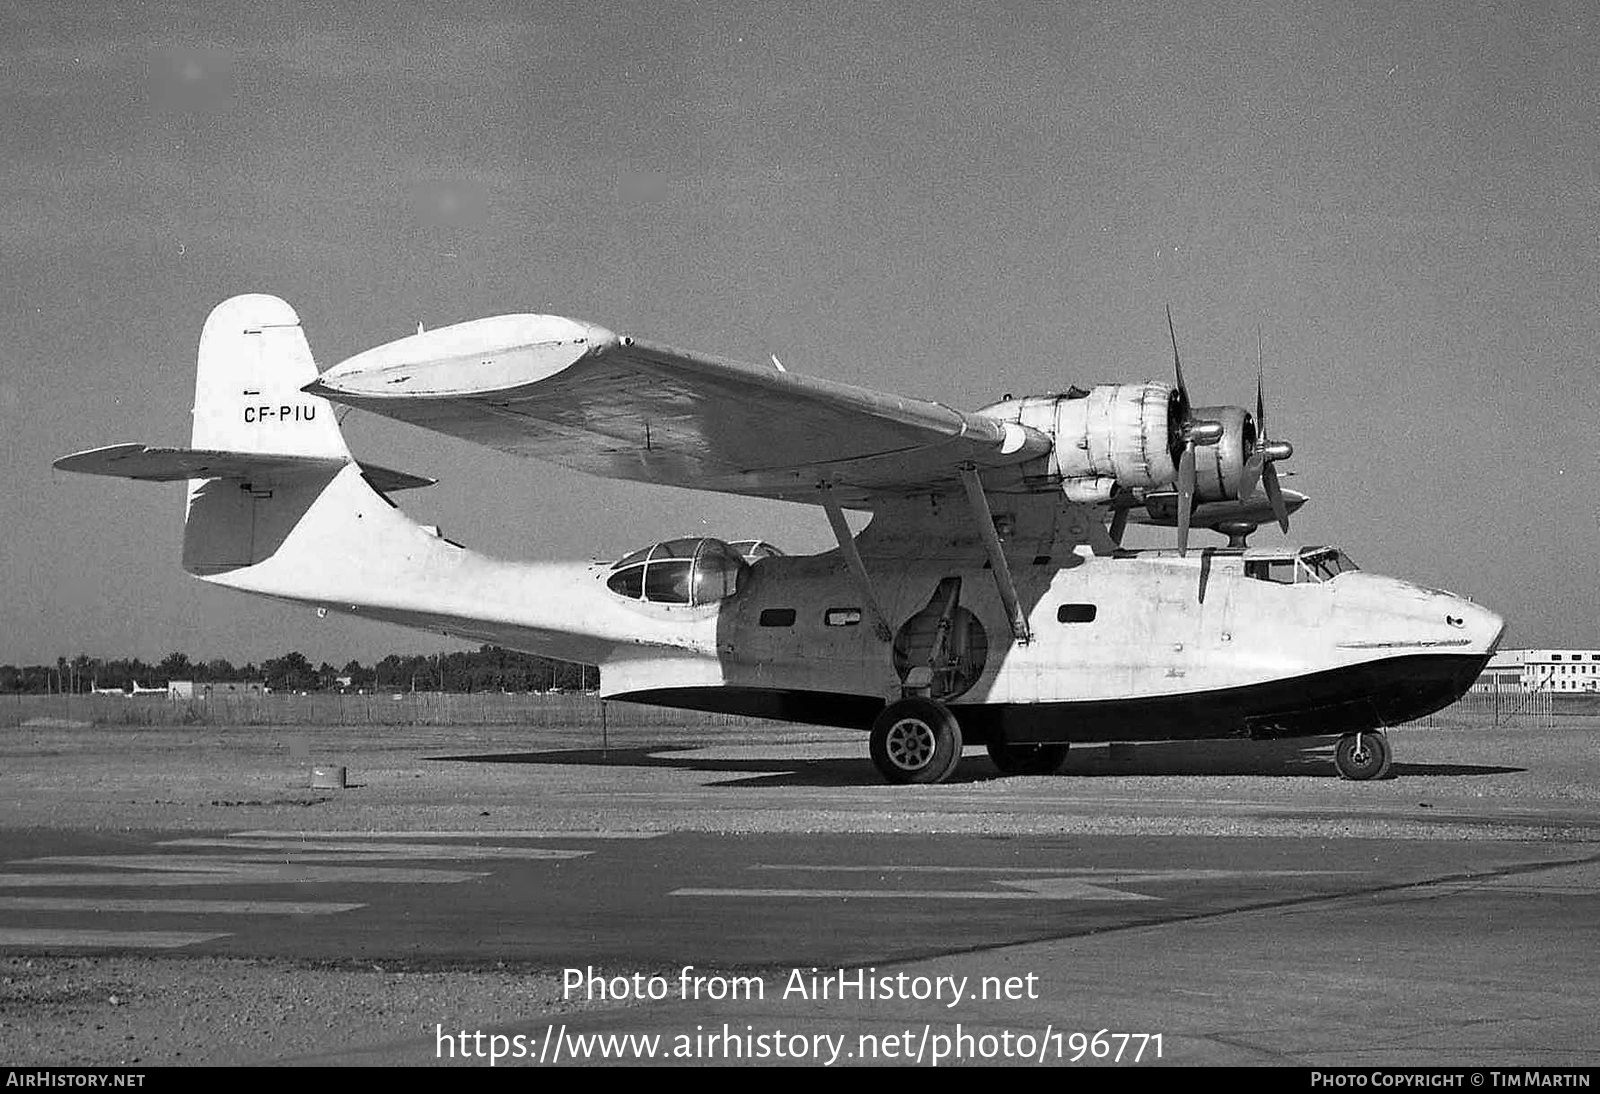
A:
(951, 201)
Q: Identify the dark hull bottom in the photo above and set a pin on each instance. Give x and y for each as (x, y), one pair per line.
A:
(1360, 697)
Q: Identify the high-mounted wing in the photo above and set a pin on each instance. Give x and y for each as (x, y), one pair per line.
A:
(583, 397)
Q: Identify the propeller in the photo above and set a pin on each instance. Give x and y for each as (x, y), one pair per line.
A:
(1258, 467)
(1190, 433)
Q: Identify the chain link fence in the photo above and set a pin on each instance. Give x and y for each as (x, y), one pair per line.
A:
(1497, 707)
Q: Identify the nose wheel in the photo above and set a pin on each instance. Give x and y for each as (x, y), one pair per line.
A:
(916, 741)
(1361, 756)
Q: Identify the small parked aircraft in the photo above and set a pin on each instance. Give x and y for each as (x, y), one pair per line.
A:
(988, 601)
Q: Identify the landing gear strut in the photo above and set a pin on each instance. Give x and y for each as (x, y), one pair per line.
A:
(1364, 755)
(1028, 759)
(916, 741)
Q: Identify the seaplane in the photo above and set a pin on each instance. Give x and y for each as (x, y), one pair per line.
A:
(988, 601)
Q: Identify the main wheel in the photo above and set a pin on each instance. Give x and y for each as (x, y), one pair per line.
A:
(1362, 756)
(1028, 759)
(916, 741)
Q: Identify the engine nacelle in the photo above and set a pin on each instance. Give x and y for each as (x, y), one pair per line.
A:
(1129, 435)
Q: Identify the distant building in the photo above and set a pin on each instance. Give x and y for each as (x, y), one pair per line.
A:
(1563, 670)
(190, 689)
(1504, 672)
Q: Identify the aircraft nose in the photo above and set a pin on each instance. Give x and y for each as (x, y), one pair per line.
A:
(1481, 626)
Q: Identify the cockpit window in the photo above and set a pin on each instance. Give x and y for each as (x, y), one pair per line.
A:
(1279, 570)
(1310, 566)
(694, 570)
(1326, 563)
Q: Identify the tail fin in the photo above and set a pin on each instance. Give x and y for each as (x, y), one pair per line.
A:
(253, 362)
(263, 451)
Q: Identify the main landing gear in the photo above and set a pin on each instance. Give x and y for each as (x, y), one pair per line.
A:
(1364, 755)
(916, 741)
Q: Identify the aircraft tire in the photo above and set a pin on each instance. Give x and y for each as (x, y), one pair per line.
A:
(916, 741)
(1028, 759)
(1362, 756)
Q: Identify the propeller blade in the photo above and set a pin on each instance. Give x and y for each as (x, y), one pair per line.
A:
(1177, 365)
(1249, 475)
(1261, 405)
(1269, 476)
(1185, 497)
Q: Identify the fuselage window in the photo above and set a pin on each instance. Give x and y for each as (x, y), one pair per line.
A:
(842, 617)
(1076, 613)
(680, 571)
(628, 583)
(667, 581)
(777, 617)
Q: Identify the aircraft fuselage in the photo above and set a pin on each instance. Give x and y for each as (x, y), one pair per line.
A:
(1138, 646)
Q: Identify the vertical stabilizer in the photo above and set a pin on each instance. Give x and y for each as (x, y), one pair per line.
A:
(253, 362)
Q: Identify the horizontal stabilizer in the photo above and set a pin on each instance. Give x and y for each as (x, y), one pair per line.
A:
(138, 461)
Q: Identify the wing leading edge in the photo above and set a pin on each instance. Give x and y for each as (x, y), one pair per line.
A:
(585, 398)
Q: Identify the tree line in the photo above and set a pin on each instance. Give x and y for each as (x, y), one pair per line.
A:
(489, 668)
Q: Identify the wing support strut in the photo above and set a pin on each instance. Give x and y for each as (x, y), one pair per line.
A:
(1003, 583)
(852, 558)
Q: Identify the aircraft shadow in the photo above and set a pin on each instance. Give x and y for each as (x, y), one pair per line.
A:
(1308, 758)
(767, 771)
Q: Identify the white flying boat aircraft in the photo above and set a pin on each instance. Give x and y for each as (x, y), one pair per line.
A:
(988, 601)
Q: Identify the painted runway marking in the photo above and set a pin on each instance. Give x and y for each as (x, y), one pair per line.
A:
(261, 857)
(176, 906)
(1103, 873)
(464, 833)
(241, 873)
(1066, 888)
(366, 850)
(122, 940)
(1034, 883)
(1045, 889)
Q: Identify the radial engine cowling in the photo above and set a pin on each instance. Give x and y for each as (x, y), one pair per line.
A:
(1217, 467)
(1129, 436)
